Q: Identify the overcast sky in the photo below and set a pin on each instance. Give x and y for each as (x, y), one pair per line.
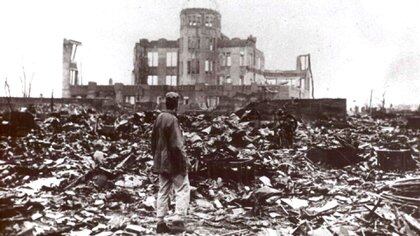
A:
(355, 45)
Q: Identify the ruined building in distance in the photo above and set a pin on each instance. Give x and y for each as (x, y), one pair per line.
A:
(204, 66)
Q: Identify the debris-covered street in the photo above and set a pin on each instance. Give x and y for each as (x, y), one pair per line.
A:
(209, 117)
(83, 172)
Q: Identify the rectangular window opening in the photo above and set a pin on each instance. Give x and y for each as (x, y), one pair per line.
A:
(211, 44)
(195, 66)
(207, 66)
(228, 59)
(152, 80)
(242, 59)
(189, 67)
(209, 21)
(221, 80)
(228, 80)
(171, 80)
(152, 59)
(171, 59)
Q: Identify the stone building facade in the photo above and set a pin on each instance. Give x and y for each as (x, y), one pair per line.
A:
(202, 55)
(205, 66)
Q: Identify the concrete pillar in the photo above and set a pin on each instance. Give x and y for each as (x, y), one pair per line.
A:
(118, 88)
(67, 49)
(69, 52)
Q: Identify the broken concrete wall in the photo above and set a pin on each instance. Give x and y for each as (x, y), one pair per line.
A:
(218, 98)
(208, 97)
(194, 97)
(306, 109)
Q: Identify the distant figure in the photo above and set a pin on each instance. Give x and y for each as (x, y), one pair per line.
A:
(52, 102)
(171, 163)
(286, 127)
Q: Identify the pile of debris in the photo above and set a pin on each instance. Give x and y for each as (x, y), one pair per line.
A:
(79, 171)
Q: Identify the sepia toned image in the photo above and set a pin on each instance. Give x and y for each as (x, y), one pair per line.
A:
(209, 117)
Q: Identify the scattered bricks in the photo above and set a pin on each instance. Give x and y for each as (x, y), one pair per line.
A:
(395, 159)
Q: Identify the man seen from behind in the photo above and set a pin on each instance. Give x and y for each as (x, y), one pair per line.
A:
(171, 164)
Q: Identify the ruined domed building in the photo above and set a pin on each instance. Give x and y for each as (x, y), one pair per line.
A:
(206, 67)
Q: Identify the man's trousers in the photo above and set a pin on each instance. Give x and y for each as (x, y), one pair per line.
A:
(181, 186)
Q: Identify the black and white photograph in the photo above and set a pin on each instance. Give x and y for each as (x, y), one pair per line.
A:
(209, 117)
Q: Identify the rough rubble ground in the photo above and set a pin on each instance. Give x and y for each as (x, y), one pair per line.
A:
(87, 173)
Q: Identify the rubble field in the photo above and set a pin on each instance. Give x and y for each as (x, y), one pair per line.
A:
(83, 172)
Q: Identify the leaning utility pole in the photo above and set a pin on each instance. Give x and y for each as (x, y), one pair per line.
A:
(383, 101)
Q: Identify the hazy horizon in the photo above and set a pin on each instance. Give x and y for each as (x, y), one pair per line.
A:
(355, 46)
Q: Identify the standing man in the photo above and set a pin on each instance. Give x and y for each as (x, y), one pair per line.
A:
(290, 129)
(279, 124)
(171, 163)
(286, 128)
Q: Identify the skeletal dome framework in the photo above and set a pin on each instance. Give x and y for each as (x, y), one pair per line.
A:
(206, 4)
